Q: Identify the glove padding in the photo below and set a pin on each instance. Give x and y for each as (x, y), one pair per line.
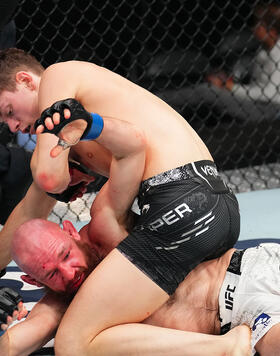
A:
(3, 272)
(72, 190)
(9, 300)
(77, 112)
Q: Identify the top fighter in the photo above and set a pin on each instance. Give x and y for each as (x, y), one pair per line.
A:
(146, 149)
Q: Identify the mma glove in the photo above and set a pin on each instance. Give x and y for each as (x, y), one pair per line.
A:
(73, 191)
(9, 300)
(77, 112)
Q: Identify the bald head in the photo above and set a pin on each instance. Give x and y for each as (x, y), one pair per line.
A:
(31, 238)
(51, 255)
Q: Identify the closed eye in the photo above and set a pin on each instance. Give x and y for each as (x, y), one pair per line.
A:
(67, 255)
(52, 274)
(10, 111)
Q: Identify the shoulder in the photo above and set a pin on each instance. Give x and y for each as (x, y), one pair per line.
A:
(68, 70)
(69, 66)
(61, 68)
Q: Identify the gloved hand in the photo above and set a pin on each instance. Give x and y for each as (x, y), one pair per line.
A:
(3, 272)
(80, 178)
(77, 112)
(11, 307)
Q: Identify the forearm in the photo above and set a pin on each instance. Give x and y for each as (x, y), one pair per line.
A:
(35, 204)
(36, 330)
(121, 138)
(50, 174)
(128, 147)
(22, 339)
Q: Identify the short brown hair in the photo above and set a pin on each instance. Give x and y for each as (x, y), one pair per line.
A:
(13, 60)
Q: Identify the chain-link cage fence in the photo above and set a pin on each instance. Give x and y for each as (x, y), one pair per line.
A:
(216, 62)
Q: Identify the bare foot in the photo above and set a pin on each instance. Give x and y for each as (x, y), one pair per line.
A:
(240, 339)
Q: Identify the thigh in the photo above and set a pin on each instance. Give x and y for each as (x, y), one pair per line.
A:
(116, 292)
(269, 344)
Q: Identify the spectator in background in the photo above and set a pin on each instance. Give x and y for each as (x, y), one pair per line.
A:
(264, 68)
(15, 173)
(226, 92)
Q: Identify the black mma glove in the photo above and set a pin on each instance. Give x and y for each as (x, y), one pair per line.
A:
(3, 272)
(77, 112)
(9, 300)
(72, 190)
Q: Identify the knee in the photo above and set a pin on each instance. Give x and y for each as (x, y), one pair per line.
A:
(67, 345)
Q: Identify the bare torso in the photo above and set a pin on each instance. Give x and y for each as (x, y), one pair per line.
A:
(195, 304)
(171, 142)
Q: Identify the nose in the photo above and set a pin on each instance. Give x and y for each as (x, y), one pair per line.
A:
(67, 271)
(13, 125)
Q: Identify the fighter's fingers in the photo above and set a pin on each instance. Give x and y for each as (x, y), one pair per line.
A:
(15, 315)
(22, 313)
(67, 113)
(49, 123)
(39, 129)
(56, 118)
(20, 306)
(56, 151)
(4, 327)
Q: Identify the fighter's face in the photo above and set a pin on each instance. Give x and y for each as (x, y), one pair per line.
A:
(19, 109)
(62, 265)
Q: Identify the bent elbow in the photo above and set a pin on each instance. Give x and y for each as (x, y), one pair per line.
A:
(50, 182)
(139, 142)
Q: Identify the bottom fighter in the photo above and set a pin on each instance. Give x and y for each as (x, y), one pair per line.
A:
(241, 287)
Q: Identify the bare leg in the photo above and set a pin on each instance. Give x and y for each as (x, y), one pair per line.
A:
(104, 319)
(140, 339)
(269, 344)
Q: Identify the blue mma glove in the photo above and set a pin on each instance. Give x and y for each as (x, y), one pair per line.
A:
(94, 121)
(9, 300)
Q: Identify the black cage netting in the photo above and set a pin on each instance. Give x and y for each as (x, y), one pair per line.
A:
(215, 62)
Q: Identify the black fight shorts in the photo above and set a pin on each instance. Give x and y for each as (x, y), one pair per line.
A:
(188, 215)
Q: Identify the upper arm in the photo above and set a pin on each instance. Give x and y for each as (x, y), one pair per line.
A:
(35, 204)
(127, 143)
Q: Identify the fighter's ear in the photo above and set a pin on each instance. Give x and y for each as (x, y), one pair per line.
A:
(26, 278)
(25, 78)
(69, 227)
